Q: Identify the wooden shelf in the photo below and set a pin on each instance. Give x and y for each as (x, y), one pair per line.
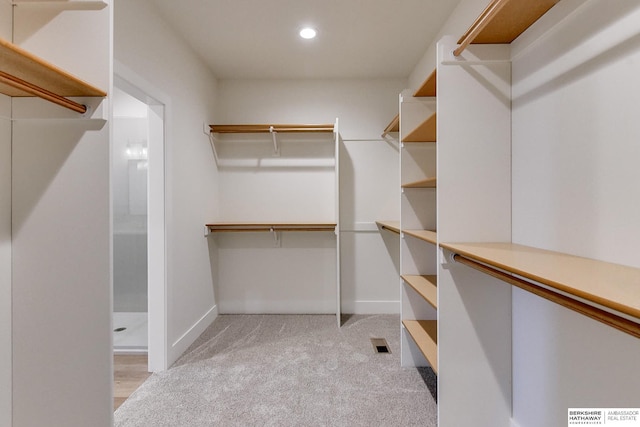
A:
(423, 183)
(425, 286)
(426, 235)
(235, 227)
(613, 286)
(393, 226)
(425, 132)
(62, 4)
(24, 74)
(267, 128)
(425, 335)
(393, 126)
(503, 21)
(428, 88)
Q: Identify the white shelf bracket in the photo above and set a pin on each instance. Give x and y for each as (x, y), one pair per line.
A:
(207, 232)
(277, 241)
(276, 148)
(212, 141)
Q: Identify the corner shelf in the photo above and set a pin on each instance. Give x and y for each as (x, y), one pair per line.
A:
(426, 235)
(393, 126)
(567, 279)
(428, 88)
(503, 21)
(425, 285)
(227, 227)
(425, 335)
(23, 74)
(425, 132)
(393, 226)
(423, 183)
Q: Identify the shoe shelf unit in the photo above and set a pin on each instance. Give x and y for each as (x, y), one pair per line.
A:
(288, 174)
(418, 255)
(23, 74)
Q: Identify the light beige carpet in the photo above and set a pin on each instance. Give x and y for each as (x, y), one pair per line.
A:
(287, 370)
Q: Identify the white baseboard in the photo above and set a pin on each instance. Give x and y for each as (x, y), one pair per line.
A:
(188, 338)
(371, 307)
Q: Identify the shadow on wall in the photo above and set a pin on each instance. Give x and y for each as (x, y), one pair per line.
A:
(47, 157)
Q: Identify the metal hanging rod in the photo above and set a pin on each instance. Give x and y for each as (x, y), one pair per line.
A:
(606, 317)
(35, 90)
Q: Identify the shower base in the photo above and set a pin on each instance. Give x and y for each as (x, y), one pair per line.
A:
(130, 333)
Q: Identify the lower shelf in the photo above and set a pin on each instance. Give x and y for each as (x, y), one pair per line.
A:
(425, 335)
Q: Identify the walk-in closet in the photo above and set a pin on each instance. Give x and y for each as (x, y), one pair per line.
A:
(320, 213)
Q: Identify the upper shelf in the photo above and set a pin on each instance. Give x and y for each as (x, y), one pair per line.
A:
(613, 286)
(24, 74)
(267, 128)
(222, 227)
(503, 21)
(425, 132)
(428, 88)
(62, 4)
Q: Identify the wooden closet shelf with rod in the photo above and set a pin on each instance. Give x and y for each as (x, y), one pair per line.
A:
(23, 74)
(503, 21)
(571, 281)
(425, 335)
(428, 88)
(425, 132)
(423, 183)
(222, 227)
(266, 128)
(393, 226)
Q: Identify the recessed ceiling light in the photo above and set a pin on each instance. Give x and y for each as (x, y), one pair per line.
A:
(308, 33)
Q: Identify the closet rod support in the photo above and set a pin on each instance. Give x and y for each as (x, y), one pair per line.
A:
(276, 238)
(32, 89)
(274, 135)
(606, 317)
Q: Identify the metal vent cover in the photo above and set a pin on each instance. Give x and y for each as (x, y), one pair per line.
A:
(380, 345)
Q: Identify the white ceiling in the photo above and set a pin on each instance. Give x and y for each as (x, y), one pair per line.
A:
(356, 38)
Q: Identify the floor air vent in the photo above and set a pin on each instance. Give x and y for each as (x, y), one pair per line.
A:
(380, 345)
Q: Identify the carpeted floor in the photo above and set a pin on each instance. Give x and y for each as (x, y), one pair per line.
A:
(286, 370)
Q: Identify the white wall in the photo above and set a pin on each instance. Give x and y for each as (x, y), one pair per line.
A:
(61, 307)
(369, 180)
(576, 190)
(5, 236)
(145, 44)
(5, 261)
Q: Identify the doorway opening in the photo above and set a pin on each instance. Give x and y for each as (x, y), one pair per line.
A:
(138, 212)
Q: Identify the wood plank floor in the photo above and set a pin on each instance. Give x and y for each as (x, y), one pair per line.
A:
(130, 371)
